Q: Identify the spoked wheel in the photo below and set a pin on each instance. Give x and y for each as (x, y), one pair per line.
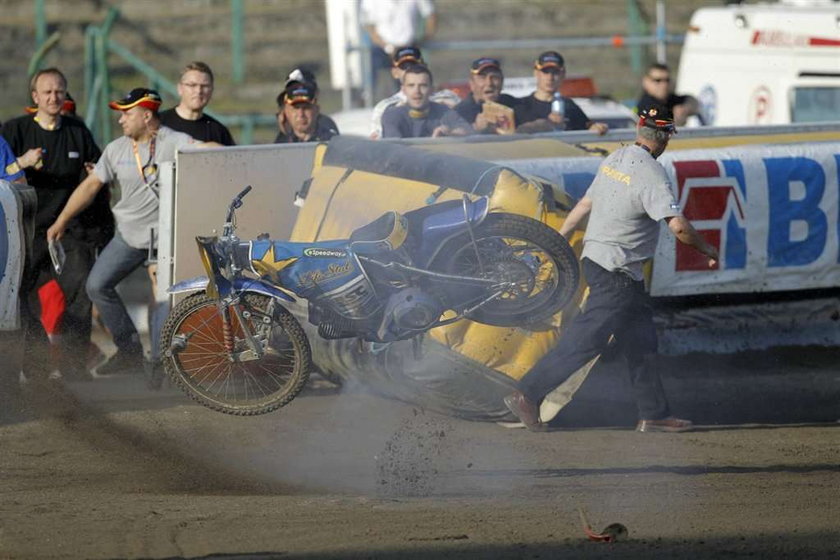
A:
(193, 343)
(534, 263)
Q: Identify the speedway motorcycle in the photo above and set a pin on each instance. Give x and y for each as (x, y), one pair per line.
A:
(233, 346)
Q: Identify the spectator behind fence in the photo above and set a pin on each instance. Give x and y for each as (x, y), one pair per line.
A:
(403, 58)
(480, 107)
(55, 151)
(195, 88)
(300, 116)
(546, 109)
(420, 117)
(300, 77)
(392, 24)
(629, 197)
(133, 162)
(656, 93)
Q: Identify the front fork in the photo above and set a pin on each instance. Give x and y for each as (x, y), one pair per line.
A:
(256, 349)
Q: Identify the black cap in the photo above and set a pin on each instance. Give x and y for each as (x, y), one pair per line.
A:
(300, 76)
(300, 93)
(657, 119)
(407, 54)
(550, 59)
(479, 65)
(138, 97)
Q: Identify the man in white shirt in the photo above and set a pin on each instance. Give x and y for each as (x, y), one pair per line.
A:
(392, 24)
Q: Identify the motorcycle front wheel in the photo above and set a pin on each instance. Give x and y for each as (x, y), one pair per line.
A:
(536, 262)
(192, 341)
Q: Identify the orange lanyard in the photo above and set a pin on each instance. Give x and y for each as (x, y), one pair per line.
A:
(152, 167)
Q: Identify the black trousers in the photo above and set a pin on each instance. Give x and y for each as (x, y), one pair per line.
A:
(618, 306)
(75, 323)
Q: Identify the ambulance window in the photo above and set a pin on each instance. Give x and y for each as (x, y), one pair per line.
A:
(815, 104)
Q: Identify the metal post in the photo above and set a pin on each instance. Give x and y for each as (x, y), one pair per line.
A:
(90, 63)
(237, 43)
(367, 72)
(635, 27)
(40, 23)
(102, 70)
(660, 32)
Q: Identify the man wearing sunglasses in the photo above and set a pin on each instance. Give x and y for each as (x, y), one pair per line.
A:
(656, 93)
(625, 203)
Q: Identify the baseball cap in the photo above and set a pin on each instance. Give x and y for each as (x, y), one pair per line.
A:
(301, 76)
(300, 93)
(407, 54)
(657, 120)
(549, 59)
(479, 65)
(142, 97)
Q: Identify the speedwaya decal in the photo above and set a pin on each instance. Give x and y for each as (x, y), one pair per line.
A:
(325, 253)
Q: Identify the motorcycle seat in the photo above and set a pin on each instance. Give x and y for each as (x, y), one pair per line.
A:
(385, 233)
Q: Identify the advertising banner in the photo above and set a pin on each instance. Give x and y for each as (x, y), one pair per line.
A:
(772, 212)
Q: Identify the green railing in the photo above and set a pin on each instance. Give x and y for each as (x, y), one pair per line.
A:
(97, 85)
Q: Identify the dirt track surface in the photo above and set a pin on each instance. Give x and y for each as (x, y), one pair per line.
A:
(110, 470)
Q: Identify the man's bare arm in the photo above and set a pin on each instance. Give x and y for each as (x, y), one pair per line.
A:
(685, 233)
(578, 213)
(81, 198)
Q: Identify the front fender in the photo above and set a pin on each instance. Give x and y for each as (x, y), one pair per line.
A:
(240, 284)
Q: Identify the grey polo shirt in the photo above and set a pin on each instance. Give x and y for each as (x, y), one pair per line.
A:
(630, 194)
(136, 211)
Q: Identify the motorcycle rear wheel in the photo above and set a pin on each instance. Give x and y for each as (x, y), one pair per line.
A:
(521, 250)
(195, 358)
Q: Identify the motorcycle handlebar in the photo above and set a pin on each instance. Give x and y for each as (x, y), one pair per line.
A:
(245, 191)
(234, 204)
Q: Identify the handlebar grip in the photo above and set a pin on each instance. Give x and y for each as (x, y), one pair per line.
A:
(245, 191)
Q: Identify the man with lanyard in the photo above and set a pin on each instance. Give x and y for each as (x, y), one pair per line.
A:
(533, 113)
(131, 161)
(631, 193)
(54, 151)
(195, 88)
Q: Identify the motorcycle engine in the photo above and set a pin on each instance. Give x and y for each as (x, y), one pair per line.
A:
(412, 309)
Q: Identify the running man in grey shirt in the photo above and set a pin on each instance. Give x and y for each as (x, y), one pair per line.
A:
(131, 163)
(625, 203)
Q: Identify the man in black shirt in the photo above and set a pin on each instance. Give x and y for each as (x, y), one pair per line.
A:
(53, 150)
(534, 114)
(657, 94)
(196, 89)
(420, 117)
(486, 82)
(300, 116)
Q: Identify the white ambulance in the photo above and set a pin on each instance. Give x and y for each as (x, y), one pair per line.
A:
(767, 63)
